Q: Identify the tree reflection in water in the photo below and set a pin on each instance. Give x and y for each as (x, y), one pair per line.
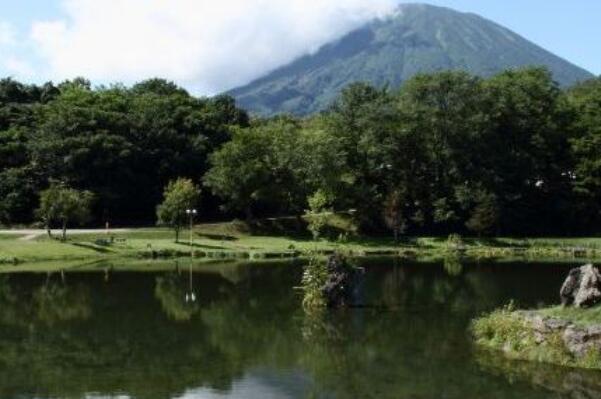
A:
(174, 293)
(138, 336)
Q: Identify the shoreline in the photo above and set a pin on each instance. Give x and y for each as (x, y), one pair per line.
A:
(226, 241)
(566, 337)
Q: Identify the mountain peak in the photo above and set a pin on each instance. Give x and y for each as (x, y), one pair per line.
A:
(415, 38)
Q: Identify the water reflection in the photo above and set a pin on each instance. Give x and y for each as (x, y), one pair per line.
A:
(246, 334)
(452, 265)
(177, 297)
(561, 381)
(54, 301)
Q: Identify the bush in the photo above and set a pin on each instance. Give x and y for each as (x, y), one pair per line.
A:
(454, 241)
(315, 276)
(10, 260)
(317, 216)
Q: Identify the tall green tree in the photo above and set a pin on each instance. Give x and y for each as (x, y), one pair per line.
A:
(179, 196)
(526, 152)
(585, 102)
(362, 122)
(445, 111)
(64, 205)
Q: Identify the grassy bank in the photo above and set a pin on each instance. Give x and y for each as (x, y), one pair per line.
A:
(540, 335)
(235, 241)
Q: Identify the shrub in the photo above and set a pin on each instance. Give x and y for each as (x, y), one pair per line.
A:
(314, 277)
(317, 215)
(454, 241)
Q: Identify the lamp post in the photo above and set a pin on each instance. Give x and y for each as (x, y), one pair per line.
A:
(191, 213)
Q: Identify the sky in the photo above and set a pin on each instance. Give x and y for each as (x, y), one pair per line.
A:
(209, 46)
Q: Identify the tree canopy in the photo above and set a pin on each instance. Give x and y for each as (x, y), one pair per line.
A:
(446, 153)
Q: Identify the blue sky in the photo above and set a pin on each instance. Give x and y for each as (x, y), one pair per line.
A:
(209, 45)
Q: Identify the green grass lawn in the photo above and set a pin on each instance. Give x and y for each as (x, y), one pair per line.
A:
(211, 240)
(233, 240)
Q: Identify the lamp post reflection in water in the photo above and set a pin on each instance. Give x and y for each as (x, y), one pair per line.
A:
(190, 296)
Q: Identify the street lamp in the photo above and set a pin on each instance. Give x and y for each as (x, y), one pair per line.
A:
(191, 213)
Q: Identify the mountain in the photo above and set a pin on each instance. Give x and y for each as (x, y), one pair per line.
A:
(415, 38)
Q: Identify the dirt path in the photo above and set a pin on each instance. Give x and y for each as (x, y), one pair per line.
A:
(32, 234)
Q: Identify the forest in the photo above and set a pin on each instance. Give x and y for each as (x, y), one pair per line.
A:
(513, 154)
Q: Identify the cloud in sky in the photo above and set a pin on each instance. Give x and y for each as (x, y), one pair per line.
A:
(7, 34)
(205, 45)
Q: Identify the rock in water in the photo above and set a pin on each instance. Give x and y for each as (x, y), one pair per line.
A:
(582, 287)
(339, 288)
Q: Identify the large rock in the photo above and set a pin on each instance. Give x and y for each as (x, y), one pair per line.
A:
(582, 287)
(578, 340)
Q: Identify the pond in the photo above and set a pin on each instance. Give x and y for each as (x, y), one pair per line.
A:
(238, 331)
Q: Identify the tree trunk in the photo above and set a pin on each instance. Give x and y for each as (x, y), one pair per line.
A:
(177, 234)
(396, 236)
(300, 223)
(249, 214)
(65, 230)
(48, 230)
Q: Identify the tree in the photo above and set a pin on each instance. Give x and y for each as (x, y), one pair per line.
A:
(362, 123)
(526, 155)
(485, 215)
(444, 116)
(18, 195)
(585, 102)
(393, 213)
(240, 172)
(317, 215)
(160, 87)
(62, 204)
(179, 196)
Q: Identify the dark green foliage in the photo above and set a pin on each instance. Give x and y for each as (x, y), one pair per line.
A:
(122, 144)
(585, 101)
(417, 39)
(447, 153)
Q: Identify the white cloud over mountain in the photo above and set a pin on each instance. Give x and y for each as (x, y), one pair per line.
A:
(206, 45)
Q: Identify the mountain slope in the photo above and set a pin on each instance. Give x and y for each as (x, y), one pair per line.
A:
(416, 38)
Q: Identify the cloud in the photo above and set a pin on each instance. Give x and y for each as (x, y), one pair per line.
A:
(7, 34)
(9, 60)
(205, 45)
(20, 68)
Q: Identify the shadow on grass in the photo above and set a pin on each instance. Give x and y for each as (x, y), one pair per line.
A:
(92, 247)
(493, 242)
(217, 237)
(195, 245)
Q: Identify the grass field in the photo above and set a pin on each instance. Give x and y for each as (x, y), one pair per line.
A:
(234, 241)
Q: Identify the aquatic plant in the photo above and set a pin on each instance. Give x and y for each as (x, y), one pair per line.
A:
(329, 284)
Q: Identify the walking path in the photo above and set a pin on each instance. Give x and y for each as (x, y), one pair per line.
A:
(31, 234)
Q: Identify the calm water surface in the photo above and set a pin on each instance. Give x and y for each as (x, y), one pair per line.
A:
(134, 335)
